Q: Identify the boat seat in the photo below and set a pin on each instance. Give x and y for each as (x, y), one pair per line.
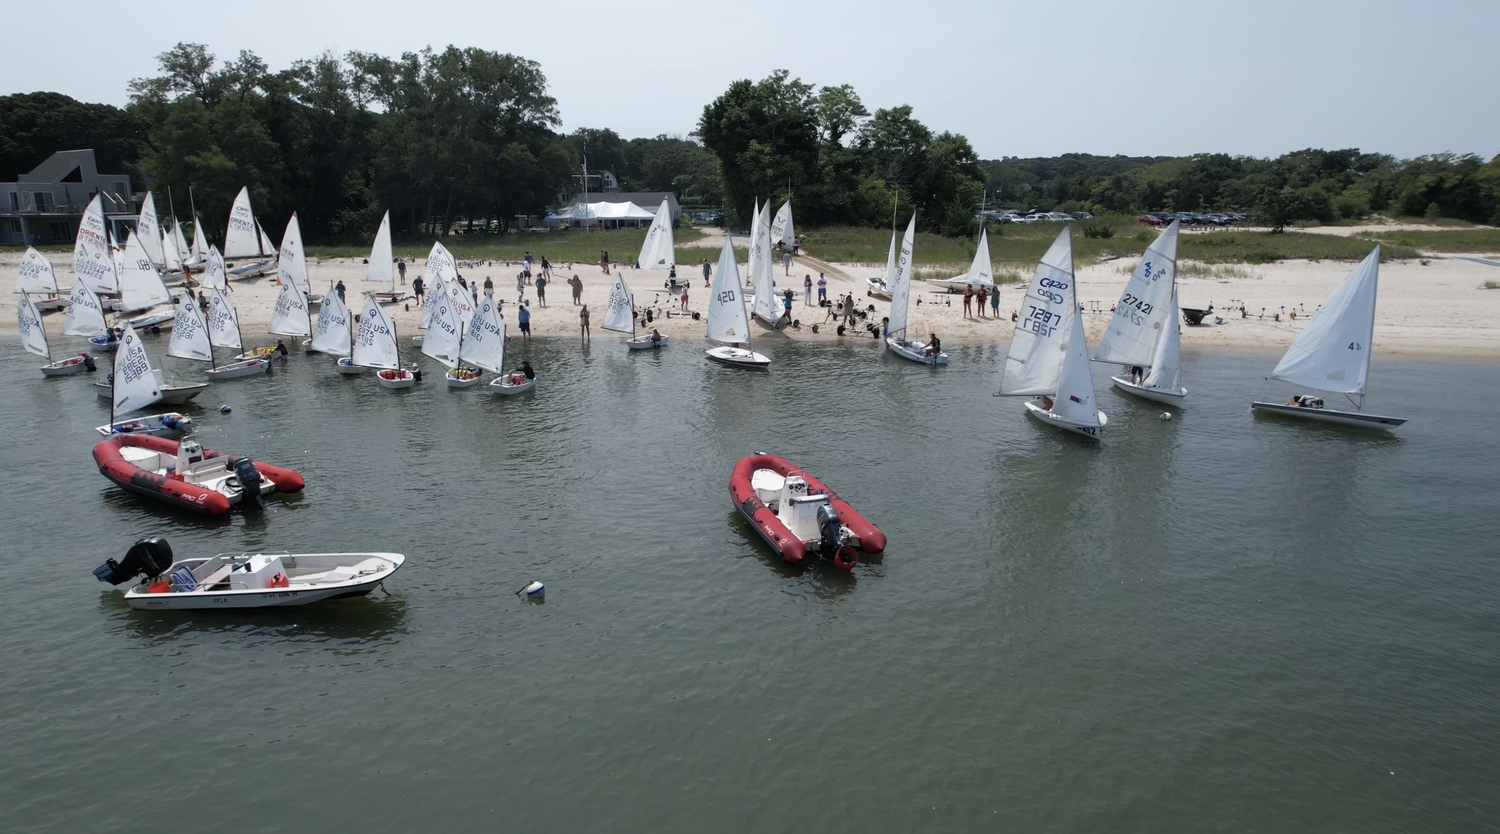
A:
(767, 485)
(335, 575)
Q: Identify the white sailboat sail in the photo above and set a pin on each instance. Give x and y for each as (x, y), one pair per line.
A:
(199, 250)
(33, 335)
(140, 284)
(148, 230)
(767, 305)
(240, 240)
(781, 227)
(223, 320)
(657, 250)
(1166, 362)
(135, 382)
(619, 316)
(890, 262)
(982, 271)
(380, 268)
(36, 274)
(290, 317)
(899, 282)
(1333, 352)
(1145, 310)
(266, 246)
(171, 259)
(331, 336)
(213, 270)
(291, 263)
(462, 300)
(179, 243)
(85, 315)
(190, 334)
(484, 341)
(375, 342)
(444, 335)
(440, 264)
(1041, 338)
(727, 321)
(1074, 400)
(92, 263)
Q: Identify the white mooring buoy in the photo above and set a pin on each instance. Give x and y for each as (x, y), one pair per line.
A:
(533, 589)
(1166, 415)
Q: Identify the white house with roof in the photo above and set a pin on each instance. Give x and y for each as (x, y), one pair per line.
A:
(45, 205)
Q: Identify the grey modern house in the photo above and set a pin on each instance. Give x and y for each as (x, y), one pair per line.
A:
(44, 206)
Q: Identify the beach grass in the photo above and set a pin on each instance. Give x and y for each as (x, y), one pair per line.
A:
(1468, 240)
(556, 246)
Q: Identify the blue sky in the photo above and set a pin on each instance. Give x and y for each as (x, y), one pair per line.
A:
(1017, 78)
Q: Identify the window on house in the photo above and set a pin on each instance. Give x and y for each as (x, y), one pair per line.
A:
(61, 230)
(43, 200)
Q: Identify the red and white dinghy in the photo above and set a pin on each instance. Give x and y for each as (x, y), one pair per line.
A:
(797, 514)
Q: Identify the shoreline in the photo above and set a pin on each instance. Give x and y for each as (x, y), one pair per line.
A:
(1437, 309)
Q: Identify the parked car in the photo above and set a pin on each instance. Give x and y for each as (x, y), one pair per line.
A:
(1151, 220)
(1082, 215)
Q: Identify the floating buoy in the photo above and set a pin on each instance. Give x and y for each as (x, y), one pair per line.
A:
(533, 589)
(1166, 415)
(224, 409)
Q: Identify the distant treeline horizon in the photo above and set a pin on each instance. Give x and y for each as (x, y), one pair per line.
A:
(436, 136)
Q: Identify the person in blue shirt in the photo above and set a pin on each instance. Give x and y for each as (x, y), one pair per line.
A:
(523, 318)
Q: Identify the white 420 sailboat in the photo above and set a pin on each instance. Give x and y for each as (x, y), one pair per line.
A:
(1048, 357)
(1333, 354)
(1143, 334)
(727, 321)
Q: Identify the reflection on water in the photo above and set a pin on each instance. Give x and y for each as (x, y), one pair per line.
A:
(344, 623)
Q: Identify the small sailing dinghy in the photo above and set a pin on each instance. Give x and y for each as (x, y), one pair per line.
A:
(981, 272)
(1333, 355)
(1143, 333)
(1048, 357)
(193, 339)
(879, 286)
(765, 305)
(134, 384)
(797, 515)
(92, 264)
(243, 580)
(727, 321)
(375, 347)
(34, 339)
(332, 334)
(291, 262)
(656, 249)
(159, 425)
(444, 342)
(619, 316)
(380, 267)
(290, 316)
(897, 342)
(37, 277)
(244, 240)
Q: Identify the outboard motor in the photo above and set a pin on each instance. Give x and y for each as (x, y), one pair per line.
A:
(249, 478)
(149, 557)
(834, 544)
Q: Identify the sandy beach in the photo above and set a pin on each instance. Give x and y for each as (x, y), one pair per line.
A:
(1435, 309)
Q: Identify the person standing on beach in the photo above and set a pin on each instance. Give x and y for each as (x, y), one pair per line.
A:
(683, 297)
(583, 322)
(807, 290)
(489, 287)
(523, 318)
(577, 284)
(546, 269)
(786, 262)
(969, 301)
(520, 287)
(604, 260)
(707, 271)
(849, 309)
(401, 270)
(416, 288)
(541, 285)
(995, 302)
(983, 296)
(786, 303)
(339, 288)
(822, 289)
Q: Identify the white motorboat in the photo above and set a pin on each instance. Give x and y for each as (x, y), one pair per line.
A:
(1048, 358)
(896, 340)
(239, 370)
(243, 580)
(169, 424)
(727, 321)
(1143, 332)
(395, 378)
(1333, 354)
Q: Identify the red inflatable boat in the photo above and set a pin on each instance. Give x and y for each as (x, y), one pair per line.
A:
(797, 515)
(189, 476)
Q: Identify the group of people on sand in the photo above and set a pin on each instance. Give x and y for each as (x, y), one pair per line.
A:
(985, 292)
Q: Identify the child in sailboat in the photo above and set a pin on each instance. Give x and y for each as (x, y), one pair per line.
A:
(1305, 401)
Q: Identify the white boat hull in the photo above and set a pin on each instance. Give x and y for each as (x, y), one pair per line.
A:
(257, 352)
(171, 394)
(311, 577)
(1035, 410)
(1166, 396)
(876, 288)
(66, 367)
(503, 385)
(958, 285)
(459, 382)
(238, 370)
(739, 358)
(914, 351)
(399, 378)
(248, 271)
(348, 368)
(645, 343)
(170, 424)
(1358, 419)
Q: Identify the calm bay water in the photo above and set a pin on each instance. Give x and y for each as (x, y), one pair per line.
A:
(1211, 624)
